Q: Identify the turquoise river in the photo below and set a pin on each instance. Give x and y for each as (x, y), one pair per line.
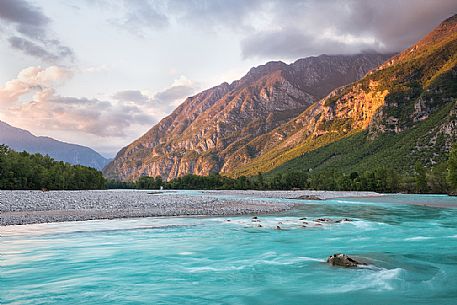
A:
(410, 242)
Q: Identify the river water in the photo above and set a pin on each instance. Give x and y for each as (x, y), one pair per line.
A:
(411, 250)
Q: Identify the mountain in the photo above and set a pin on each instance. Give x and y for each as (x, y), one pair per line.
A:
(401, 113)
(20, 140)
(211, 131)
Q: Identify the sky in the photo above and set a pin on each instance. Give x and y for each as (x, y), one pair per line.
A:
(101, 73)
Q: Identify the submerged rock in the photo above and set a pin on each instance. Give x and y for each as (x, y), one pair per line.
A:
(342, 260)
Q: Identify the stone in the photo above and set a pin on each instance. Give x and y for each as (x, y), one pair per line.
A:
(309, 197)
(343, 260)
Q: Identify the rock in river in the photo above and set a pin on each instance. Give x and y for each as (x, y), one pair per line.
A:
(343, 260)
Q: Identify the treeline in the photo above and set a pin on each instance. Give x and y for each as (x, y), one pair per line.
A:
(442, 178)
(21, 170)
(24, 171)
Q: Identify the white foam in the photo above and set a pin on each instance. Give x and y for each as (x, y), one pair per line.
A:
(286, 223)
(376, 279)
(214, 269)
(289, 261)
(418, 238)
(186, 253)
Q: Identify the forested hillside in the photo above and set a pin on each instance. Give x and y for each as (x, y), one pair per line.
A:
(21, 170)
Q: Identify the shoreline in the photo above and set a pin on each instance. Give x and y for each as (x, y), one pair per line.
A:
(33, 207)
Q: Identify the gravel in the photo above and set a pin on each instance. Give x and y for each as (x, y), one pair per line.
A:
(27, 207)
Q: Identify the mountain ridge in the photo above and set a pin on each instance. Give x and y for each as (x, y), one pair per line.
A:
(209, 131)
(396, 97)
(20, 139)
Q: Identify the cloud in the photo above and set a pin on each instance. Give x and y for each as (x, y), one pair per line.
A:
(297, 28)
(131, 95)
(32, 79)
(91, 116)
(174, 93)
(139, 15)
(164, 101)
(301, 28)
(50, 51)
(28, 31)
(31, 101)
(216, 14)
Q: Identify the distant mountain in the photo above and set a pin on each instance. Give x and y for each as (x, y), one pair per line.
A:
(20, 140)
(211, 131)
(401, 113)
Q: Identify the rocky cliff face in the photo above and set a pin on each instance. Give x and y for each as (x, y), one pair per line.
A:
(211, 132)
(396, 97)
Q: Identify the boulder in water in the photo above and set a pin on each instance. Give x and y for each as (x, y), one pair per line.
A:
(342, 260)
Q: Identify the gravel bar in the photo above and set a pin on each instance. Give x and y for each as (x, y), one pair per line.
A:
(28, 207)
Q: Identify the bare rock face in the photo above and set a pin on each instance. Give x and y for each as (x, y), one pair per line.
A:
(342, 260)
(212, 131)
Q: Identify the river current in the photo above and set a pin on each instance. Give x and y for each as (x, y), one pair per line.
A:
(409, 241)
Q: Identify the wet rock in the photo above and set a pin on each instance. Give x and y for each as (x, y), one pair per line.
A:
(309, 197)
(329, 220)
(343, 220)
(342, 260)
(303, 218)
(324, 220)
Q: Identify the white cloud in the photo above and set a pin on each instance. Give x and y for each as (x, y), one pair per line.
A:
(31, 101)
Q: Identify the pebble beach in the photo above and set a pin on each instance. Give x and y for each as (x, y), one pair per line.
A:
(29, 207)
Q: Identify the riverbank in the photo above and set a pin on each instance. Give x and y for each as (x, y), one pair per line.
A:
(28, 207)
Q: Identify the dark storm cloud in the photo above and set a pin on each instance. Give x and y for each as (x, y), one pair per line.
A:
(27, 28)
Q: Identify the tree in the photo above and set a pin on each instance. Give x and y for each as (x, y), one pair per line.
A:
(437, 178)
(420, 177)
(260, 180)
(452, 168)
(21, 170)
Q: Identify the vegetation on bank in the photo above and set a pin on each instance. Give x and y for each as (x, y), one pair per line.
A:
(24, 171)
(21, 170)
(441, 178)
(400, 152)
